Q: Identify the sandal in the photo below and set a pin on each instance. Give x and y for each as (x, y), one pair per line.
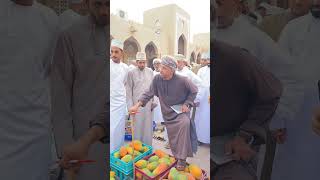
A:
(181, 165)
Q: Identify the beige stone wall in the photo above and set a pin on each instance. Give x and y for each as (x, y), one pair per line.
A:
(200, 45)
(171, 29)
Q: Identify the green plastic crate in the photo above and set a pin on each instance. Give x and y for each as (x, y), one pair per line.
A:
(126, 168)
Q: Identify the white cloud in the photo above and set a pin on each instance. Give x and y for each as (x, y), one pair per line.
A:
(199, 11)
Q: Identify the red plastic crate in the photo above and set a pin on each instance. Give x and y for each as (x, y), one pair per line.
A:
(158, 177)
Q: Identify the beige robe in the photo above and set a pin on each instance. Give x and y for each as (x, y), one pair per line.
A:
(79, 89)
(137, 83)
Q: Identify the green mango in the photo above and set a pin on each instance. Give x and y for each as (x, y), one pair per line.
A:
(153, 159)
(151, 166)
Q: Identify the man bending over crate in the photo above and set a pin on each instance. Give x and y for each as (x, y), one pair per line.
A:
(176, 95)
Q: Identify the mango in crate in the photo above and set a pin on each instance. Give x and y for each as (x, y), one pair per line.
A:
(138, 147)
(112, 174)
(129, 150)
(141, 164)
(138, 175)
(127, 158)
(112, 178)
(165, 160)
(136, 153)
(189, 176)
(153, 158)
(182, 177)
(173, 174)
(172, 160)
(123, 151)
(160, 153)
(186, 169)
(161, 168)
(116, 155)
(195, 171)
(147, 172)
(153, 165)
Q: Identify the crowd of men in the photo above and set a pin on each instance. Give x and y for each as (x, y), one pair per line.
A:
(266, 72)
(165, 95)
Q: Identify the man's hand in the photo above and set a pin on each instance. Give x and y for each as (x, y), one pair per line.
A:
(239, 149)
(134, 109)
(76, 151)
(79, 150)
(185, 108)
(280, 135)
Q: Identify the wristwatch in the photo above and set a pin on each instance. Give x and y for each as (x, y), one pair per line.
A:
(247, 136)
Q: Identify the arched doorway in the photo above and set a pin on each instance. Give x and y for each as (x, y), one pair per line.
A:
(192, 57)
(182, 45)
(151, 53)
(199, 58)
(130, 48)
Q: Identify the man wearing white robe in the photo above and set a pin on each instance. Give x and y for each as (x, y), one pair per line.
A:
(232, 28)
(298, 156)
(68, 17)
(202, 119)
(183, 70)
(118, 104)
(157, 115)
(28, 36)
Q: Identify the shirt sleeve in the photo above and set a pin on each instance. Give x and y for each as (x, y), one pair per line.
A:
(62, 78)
(265, 91)
(148, 95)
(192, 92)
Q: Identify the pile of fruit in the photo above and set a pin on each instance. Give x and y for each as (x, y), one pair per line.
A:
(191, 172)
(155, 165)
(112, 175)
(134, 148)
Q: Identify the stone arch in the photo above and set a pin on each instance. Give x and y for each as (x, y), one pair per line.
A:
(182, 45)
(192, 57)
(130, 47)
(199, 58)
(151, 51)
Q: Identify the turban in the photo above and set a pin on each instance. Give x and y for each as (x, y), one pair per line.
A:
(206, 56)
(169, 61)
(156, 60)
(180, 57)
(117, 43)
